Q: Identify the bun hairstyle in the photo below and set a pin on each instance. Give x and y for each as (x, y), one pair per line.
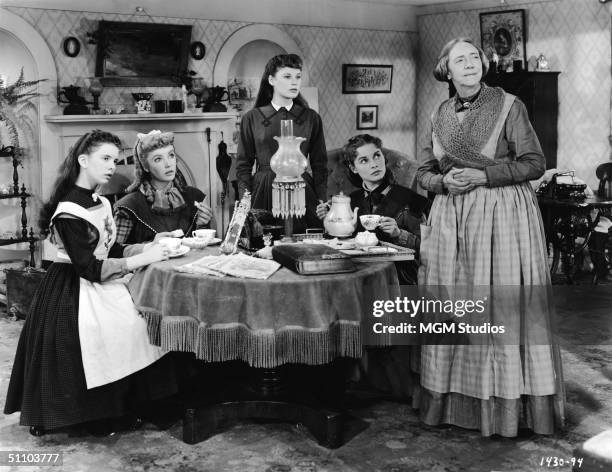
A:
(349, 154)
(440, 71)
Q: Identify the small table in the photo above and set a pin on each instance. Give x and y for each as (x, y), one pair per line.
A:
(569, 225)
(286, 319)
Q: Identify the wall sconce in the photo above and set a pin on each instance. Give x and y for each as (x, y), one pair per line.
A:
(71, 46)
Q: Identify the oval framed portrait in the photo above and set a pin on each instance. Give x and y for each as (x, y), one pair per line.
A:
(72, 47)
(197, 50)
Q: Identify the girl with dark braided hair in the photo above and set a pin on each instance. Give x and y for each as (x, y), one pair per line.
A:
(279, 99)
(84, 353)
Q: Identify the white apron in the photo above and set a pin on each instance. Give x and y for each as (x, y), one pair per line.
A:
(113, 336)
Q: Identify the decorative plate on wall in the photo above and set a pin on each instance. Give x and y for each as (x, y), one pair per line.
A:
(71, 46)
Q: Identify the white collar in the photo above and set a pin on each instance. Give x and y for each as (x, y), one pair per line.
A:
(278, 107)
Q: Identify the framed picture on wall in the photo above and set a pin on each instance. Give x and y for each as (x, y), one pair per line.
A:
(367, 116)
(503, 37)
(365, 78)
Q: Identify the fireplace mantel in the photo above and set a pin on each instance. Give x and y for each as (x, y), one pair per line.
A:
(139, 117)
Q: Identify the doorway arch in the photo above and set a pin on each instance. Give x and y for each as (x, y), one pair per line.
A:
(246, 35)
(44, 63)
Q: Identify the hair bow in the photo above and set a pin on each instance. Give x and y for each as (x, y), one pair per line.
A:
(153, 132)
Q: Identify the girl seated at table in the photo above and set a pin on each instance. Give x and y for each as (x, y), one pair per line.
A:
(391, 370)
(84, 352)
(158, 202)
(402, 209)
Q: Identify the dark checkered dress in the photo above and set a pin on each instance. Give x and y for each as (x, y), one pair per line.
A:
(48, 382)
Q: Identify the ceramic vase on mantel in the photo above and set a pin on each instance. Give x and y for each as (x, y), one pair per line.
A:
(143, 102)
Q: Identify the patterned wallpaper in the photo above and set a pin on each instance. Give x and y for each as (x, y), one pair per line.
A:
(324, 50)
(575, 38)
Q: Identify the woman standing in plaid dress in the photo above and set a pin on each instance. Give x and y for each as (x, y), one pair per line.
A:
(485, 229)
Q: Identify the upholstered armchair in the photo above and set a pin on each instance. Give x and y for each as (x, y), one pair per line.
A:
(403, 166)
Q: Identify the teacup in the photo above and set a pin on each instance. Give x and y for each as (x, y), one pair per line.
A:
(173, 244)
(204, 235)
(370, 222)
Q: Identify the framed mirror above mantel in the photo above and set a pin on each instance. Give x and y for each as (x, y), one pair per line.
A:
(197, 137)
(141, 54)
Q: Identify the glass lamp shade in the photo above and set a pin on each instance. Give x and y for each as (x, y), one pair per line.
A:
(95, 87)
(288, 162)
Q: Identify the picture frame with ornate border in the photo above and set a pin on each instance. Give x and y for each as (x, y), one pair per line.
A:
(71, 46)
(367, 116)
(502, 33)
(197, 50)
(366, 78)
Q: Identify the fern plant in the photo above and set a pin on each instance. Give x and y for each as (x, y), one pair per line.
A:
(16, 109)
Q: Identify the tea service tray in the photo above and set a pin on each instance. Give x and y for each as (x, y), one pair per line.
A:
(382, 252)
(196, 243)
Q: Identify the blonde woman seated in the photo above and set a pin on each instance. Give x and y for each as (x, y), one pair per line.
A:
(158, 202)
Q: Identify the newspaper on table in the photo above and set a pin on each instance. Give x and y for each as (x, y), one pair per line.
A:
(236, 265)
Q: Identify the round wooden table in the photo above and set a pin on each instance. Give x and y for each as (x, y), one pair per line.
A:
(286, 319)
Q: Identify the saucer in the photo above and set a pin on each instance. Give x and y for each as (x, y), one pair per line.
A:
(179, 252)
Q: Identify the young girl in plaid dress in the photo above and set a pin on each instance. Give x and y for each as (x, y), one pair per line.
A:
(485, 229)
(158, 200)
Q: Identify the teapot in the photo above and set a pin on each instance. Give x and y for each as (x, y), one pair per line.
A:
(340, 220)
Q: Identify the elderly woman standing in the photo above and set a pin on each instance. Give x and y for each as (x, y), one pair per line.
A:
(485, 229)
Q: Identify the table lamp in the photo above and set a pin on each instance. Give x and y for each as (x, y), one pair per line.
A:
(95, 88)
(288, 187)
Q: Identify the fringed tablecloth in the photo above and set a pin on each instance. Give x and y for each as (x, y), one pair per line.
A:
(288, 318)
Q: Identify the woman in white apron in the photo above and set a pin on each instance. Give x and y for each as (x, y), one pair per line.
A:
(84, 353)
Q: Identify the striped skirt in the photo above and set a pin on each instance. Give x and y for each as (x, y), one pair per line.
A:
(493, 237)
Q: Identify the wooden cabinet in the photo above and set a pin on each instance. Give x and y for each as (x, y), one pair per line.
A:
(539, 92)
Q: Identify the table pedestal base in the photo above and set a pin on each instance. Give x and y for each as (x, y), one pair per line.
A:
(310, 395)
(203, 422)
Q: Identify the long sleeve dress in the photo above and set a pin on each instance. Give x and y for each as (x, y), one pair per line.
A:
(84, 352)
(490, 236)
(257, 144)
(407, 208)
(394, 370)
(138, 222)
